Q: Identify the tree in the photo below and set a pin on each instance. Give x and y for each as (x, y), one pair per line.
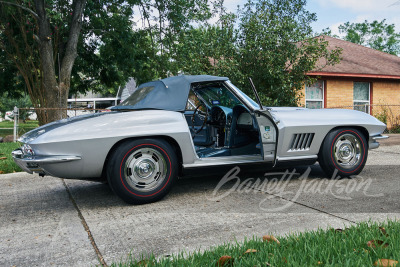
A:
(377, 35)
(278, 48)
(211, 49)
(11, 82)
(273, 44)
(28, 39)
(44, 37)
(7, 103)
(162, 33)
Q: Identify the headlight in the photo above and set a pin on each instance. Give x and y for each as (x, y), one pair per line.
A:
(27, 150)
(31, 135)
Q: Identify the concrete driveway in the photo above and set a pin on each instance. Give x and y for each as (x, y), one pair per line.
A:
(55, 222)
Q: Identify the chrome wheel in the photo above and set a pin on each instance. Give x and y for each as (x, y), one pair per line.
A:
(145, 169)
(347, 151)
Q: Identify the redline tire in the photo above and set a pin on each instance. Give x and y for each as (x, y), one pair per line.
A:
(142, 171)
(345, 151)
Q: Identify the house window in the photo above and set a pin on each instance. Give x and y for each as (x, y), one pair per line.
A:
(315, 95)
(361, 96)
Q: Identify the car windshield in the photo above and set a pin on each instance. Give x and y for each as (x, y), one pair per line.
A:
(243, 95)
(216, 94)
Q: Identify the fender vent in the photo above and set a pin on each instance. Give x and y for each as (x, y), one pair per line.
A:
(301, 141)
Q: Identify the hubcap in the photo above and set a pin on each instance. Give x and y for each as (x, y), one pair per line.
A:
(145, 169)
(347, 150)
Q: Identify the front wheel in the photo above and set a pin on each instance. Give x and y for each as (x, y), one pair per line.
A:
(344, 151)
(142, 171)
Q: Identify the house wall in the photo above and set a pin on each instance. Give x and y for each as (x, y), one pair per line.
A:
(339, 93)
(386, 93)
(302, 97)
(386, 102)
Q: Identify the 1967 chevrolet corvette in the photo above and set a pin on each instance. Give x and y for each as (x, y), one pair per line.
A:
(183, 123)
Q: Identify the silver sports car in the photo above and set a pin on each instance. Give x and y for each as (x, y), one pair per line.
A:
(178, 125)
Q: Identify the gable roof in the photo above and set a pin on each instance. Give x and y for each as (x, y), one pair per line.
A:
(359, 61)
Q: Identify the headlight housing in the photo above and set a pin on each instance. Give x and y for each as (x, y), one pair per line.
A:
(27, 150)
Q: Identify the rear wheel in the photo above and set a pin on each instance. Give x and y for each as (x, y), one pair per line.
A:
(344, 150)
(142, 171)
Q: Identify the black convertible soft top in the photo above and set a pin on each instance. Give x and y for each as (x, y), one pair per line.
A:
(166, 94)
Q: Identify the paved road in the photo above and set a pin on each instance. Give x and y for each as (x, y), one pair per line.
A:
(54, 222)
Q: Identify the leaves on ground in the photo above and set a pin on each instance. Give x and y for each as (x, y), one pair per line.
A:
(143, 263)
(270, 238)
(250, 251)
(386, 263)
(383, 231)
(225, 261)
(375, 243)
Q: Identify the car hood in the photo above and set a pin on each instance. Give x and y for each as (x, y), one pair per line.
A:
(31, 135)
(297, 116)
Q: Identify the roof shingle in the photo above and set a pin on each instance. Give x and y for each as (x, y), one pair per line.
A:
(359, 61)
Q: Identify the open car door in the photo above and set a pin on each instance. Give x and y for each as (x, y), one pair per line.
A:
(268, 134)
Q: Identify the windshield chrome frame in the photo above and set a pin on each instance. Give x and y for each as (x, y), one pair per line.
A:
(241, 96)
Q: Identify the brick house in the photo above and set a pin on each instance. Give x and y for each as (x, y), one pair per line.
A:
(365, 79)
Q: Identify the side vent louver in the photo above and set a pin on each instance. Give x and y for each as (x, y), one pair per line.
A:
(301, 141)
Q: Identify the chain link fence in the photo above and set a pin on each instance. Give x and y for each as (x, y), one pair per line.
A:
(25, 119)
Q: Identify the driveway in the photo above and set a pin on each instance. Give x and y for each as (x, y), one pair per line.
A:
(47, 221)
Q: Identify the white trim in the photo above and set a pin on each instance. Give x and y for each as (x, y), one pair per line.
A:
(92, 99)
(315, 100)
(364, 101)
(297, 158)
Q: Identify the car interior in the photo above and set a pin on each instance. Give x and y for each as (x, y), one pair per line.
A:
(219, 123)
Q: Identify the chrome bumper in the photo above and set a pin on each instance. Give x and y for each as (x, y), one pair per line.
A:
(378, 137)
(373, 140)
(33, 164)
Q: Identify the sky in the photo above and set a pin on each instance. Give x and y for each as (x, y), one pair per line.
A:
(332, 13)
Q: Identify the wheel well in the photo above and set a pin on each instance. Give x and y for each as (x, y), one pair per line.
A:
(359, 128)
(169, 139)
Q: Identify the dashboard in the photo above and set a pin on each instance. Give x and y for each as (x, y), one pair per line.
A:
(226, 121)
(220, 116)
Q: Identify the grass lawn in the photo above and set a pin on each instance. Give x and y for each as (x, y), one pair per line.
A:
(7, 165)
(6, 127)
(366, 244)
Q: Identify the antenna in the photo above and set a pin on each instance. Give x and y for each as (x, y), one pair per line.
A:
(255, 92)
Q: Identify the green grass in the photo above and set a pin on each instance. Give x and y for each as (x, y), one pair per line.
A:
(8, 165)
(27, 124)
(22, 127)
(316, 248)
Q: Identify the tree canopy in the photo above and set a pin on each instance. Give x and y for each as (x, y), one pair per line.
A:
(43, 38)
(376, 34)
(54, 47)
(273, 44)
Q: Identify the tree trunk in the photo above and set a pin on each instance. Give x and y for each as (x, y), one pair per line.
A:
(48, 93)
(56, 93)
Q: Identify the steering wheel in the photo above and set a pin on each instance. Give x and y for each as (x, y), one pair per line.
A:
(202, 115)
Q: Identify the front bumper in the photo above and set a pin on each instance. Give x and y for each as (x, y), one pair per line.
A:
(373, 140)
(36, 164)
